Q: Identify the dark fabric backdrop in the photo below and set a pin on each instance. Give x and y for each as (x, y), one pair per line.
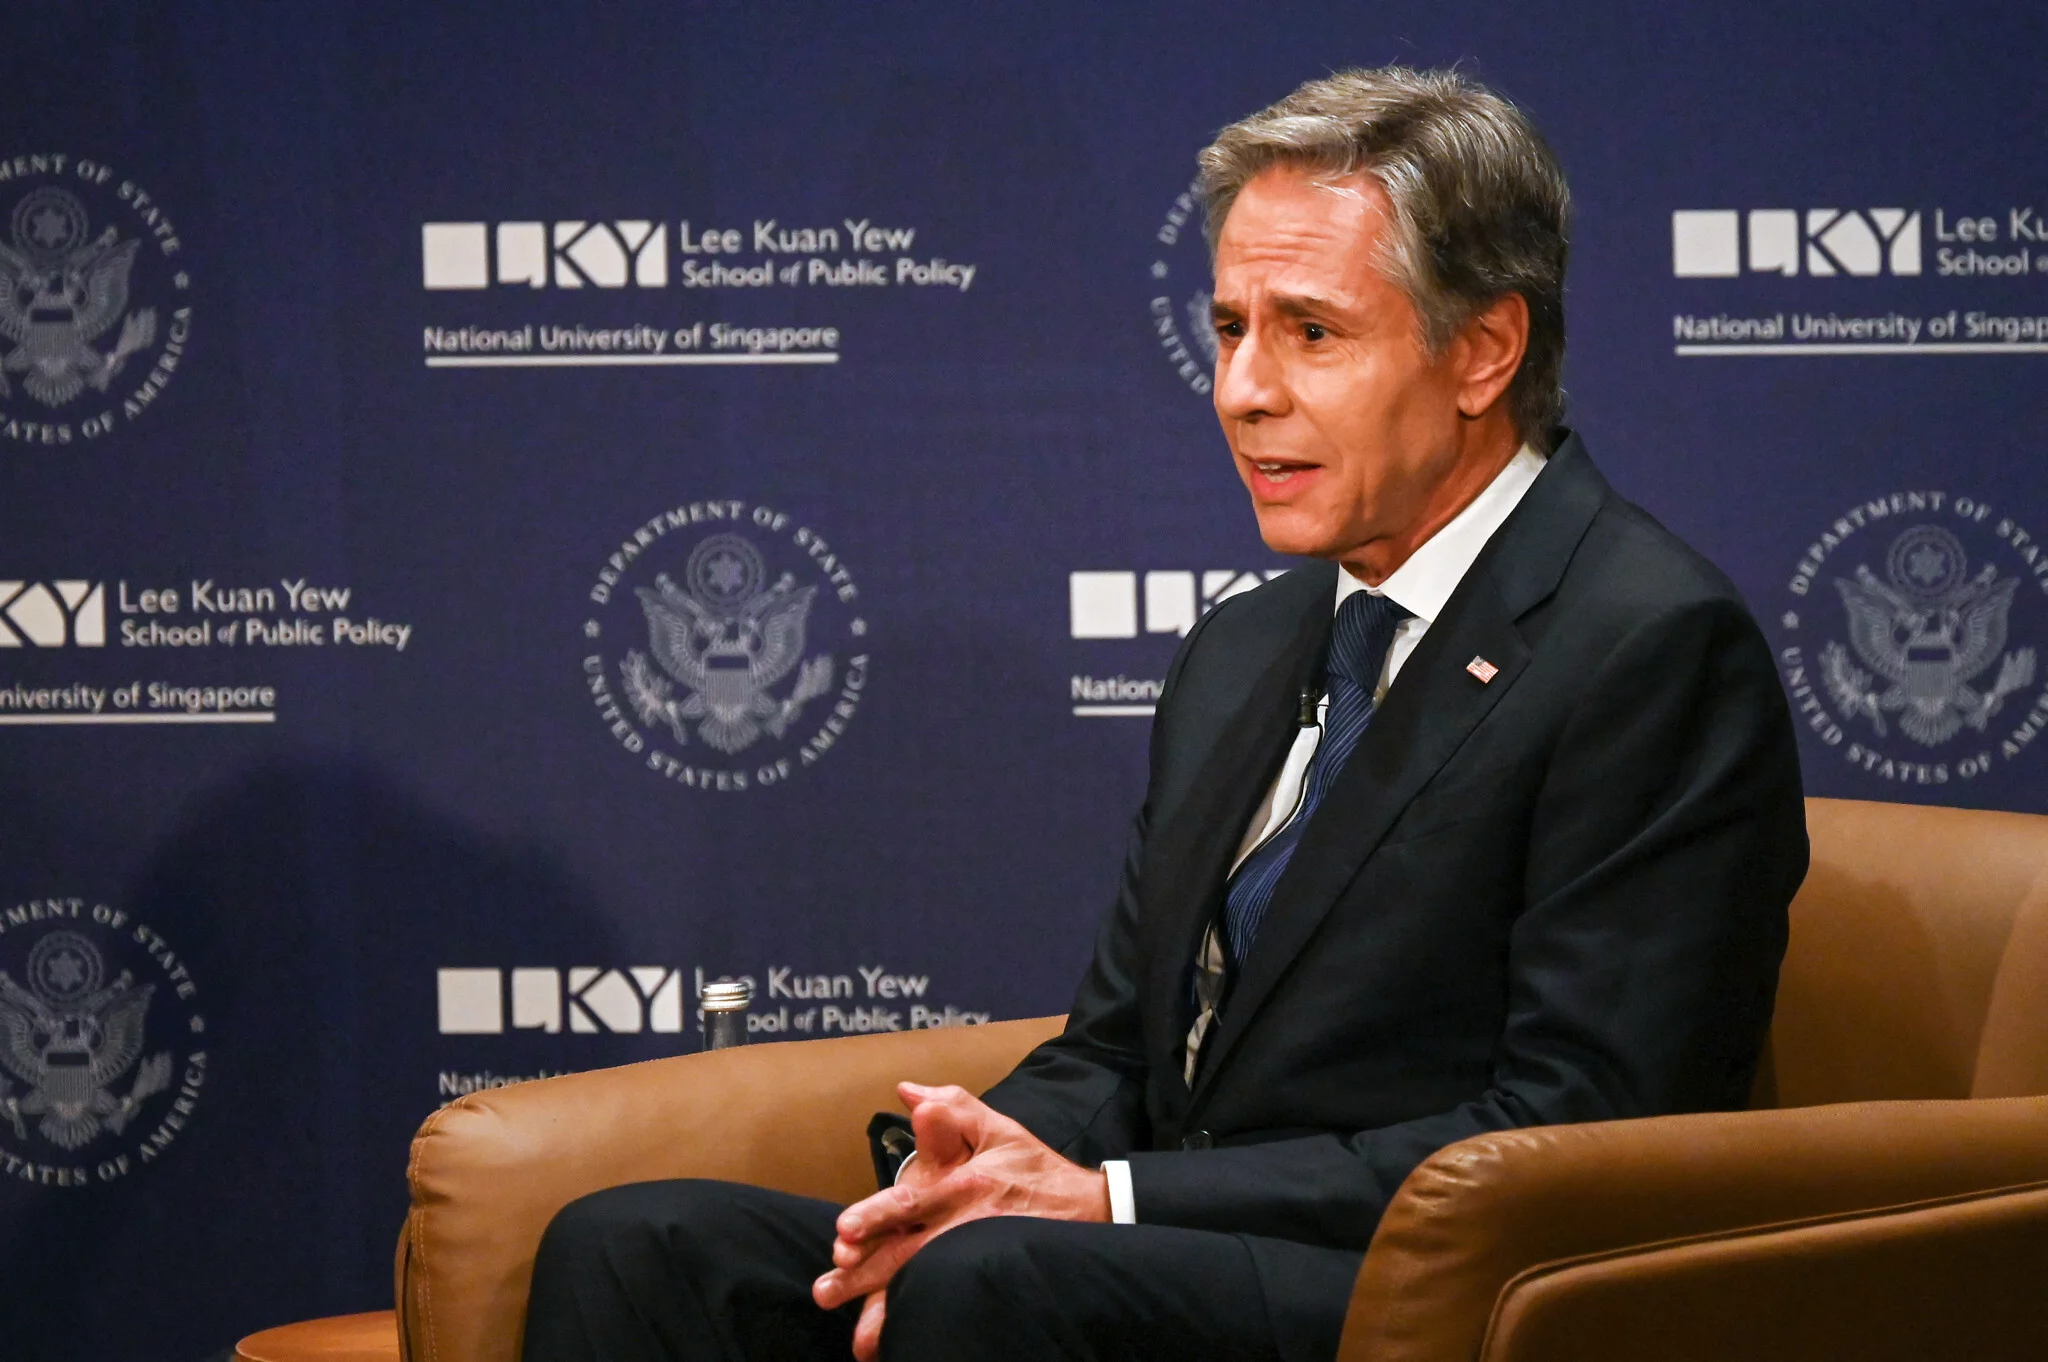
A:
(868, 727)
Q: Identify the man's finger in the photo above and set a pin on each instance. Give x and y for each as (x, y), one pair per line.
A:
(867, 1334)
(845, 1255)
(914, 1094)
(887, 1211)
(871, 1274)
(950, 1128)
(849, 1255)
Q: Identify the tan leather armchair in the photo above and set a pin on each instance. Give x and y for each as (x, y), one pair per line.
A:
(1887, 1200)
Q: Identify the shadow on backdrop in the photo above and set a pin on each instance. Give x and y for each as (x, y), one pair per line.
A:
(313, 902)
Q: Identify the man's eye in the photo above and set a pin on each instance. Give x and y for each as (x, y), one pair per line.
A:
(1312, 332)
(1234, 330)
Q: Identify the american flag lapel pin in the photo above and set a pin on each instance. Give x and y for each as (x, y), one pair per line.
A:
(1482, 669)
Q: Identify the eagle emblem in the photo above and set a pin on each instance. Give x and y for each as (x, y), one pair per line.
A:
(71, 1040)
(1931, 631)
(725, 641)
(59, 292)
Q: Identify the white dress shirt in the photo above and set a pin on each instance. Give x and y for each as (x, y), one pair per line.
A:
(1422, 586)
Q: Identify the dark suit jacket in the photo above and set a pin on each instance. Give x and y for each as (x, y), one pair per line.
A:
(1556, 896)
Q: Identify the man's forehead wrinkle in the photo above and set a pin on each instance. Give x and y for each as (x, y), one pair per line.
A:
(1290, 251)
(1333, 274)
(1279, 239)
(1288, 235)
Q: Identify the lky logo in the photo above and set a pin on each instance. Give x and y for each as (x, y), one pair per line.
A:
(616, 253)
(53, 614)
(1105, 604)
(593, 1001)
(1725, 243)
(572, 253)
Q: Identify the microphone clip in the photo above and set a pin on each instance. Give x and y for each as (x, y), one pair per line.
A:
(1305, 711)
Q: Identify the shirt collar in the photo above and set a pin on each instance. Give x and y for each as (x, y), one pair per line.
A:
(1424, 583)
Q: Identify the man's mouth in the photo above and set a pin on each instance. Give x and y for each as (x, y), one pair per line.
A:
(1276, 473)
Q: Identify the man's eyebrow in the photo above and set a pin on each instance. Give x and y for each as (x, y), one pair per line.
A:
(1303, 305)
(1286, 304)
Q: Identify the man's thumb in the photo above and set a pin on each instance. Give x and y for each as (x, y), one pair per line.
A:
(945, 1132)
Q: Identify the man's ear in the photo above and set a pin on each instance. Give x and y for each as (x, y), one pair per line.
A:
(1488, 350)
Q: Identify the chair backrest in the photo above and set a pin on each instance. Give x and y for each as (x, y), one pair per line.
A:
(1918, 962)
(1917, 969)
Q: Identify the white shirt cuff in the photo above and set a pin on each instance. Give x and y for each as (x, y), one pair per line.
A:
(1123, 1207)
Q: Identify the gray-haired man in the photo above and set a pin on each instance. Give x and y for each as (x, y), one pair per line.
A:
(1489, 818)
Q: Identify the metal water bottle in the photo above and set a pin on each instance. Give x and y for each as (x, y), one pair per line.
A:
(725, 1013)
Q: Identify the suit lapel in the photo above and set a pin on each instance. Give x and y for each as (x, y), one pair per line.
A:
(1423, 720)
(1188, 857)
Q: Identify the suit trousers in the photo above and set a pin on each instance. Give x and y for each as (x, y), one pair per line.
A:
(700, 1271)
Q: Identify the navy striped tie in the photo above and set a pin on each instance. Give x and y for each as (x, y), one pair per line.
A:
(1358, 649)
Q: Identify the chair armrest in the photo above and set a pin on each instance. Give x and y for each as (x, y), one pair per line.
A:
(1478, 1214)
(489, 1171)
(1958, 1277)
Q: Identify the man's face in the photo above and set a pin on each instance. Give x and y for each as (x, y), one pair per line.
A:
(1342, 425)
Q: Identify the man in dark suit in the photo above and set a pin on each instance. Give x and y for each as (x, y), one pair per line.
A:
(1488, 819)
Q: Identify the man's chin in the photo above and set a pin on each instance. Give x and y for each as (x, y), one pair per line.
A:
(1286, 530)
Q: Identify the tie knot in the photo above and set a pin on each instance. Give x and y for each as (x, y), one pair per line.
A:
(1364, 631)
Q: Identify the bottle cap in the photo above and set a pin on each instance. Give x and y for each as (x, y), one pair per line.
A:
(727, 995)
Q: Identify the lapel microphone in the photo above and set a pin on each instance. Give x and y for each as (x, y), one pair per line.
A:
(1312, 687)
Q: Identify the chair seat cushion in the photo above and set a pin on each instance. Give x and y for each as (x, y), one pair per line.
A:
(341, 1338)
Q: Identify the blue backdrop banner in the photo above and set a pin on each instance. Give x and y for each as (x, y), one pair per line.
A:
(509, 514)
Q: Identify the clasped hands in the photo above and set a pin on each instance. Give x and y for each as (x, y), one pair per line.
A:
(971, 1162)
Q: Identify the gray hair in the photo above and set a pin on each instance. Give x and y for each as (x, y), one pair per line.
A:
(1480, 208)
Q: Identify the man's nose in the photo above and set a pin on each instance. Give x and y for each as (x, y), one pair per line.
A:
(1248, 380)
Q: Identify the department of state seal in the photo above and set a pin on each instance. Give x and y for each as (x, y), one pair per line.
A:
(94, 307)
(1911, 650)
(102, 1048)
(727, 649)
(1179, 309)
